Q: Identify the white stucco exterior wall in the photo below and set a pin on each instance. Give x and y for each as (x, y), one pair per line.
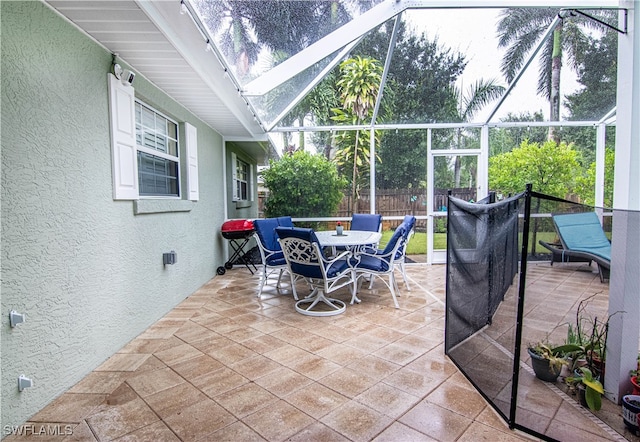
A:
(85, 270)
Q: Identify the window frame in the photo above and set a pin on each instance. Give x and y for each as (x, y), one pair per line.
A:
(158, 153)
(237, 197)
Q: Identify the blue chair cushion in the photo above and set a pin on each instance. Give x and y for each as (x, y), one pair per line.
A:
(277, 259)
(409, 221)
(285, 221)
(313, 269)
(372, 263)
(397, 235)
(366, 221)
(265, 228)
(337, 268)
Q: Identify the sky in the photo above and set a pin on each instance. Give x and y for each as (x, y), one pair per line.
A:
(472, 32)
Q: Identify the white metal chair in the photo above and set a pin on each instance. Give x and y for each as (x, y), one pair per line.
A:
(381, 263)
(270, 252)
(306, 259)
(409, 223)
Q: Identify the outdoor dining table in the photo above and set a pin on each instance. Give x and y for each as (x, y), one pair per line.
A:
(350, 239)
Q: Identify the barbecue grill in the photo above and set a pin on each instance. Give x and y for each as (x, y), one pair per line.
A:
(239, 233)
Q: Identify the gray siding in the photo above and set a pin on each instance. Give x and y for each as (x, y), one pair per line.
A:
(84, 268)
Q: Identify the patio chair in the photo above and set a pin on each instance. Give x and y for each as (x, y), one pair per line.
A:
(270, 251)
(306, 259)
(366, 221)
(381, 263)
(582, 239)
(409, 223)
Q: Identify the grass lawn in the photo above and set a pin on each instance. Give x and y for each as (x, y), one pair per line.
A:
(418, 244)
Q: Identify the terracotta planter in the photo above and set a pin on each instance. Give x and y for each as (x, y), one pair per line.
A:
(543, 370)
(636, 386)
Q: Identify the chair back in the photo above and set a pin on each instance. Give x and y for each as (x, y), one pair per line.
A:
(266, 231)
(366, 221)
(409, 221)
(397, 239)
(285, 221)
(302, 251)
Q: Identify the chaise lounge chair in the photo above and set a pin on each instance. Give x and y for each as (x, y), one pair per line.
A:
(581, 239)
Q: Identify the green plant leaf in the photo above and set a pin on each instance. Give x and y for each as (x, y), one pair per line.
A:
(593, 398)
(593, 385)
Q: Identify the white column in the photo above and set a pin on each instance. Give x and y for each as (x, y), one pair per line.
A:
(600, 163)
(430, 189)
(372, 171)
(482, 185)
(624, 287)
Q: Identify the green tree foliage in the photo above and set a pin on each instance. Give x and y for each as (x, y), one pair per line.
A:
(597, 73)
(247, 26)
(358, 84)
(505, 139)
(519, 31)
(418, 89)
(551, 168)
(481, 93)
(585, 185)
(302, 185)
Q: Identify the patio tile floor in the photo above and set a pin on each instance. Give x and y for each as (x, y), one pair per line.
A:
(225, 365)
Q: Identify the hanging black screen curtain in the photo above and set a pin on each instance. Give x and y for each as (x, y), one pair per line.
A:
(482, 260)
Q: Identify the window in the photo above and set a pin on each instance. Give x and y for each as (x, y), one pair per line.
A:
(242, 179)
(145, 151)
(158, 153)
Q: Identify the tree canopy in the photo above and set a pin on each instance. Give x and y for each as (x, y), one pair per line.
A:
(551, 168)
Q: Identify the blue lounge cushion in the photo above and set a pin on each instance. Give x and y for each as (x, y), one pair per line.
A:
(582, 232)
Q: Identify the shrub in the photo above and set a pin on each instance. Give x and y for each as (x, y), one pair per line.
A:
(302, 185)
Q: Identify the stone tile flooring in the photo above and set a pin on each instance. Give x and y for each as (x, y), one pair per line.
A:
(225, 365)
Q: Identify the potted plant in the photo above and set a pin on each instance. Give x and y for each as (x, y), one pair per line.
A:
(588, 387)
(589, 336)
(631, 412)
(547, 360)
(633, 375)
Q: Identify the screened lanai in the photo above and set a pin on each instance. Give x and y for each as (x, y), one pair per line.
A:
(258, 72)
(456, 86)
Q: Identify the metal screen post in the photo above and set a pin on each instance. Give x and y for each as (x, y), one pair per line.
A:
(520, 314)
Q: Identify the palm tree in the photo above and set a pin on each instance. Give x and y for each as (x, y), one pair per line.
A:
(519, 30)
(477, 96)
(359, 84)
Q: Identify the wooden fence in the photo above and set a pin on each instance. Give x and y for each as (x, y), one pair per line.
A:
(396, 202)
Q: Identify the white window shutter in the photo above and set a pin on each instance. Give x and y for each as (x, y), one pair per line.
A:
(251, 187)
(124, 161)
(191, 138)
(234, 175)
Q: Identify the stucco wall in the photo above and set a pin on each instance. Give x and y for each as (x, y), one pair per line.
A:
(84, 269)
